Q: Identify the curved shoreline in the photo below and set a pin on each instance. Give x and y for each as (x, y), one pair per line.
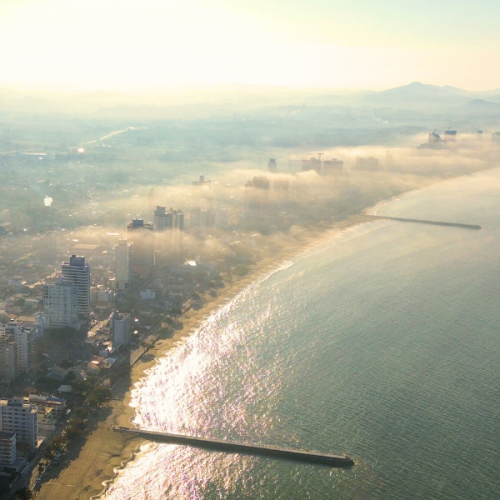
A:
(104, 454)
(262, 271)
(107, 452)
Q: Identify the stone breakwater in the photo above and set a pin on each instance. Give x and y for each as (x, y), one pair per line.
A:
(247, 449)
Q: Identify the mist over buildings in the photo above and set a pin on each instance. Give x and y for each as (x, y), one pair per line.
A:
(242, 164)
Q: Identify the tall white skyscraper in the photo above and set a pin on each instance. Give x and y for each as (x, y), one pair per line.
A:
(123, 254)
(60, 304)
(120, 323)
(160, 219)
(169, 226)
(21, 418)
(78, 273)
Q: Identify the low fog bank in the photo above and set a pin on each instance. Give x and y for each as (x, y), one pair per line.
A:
(257, 203)
(84, 191)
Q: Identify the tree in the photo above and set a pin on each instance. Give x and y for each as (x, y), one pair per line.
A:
(43, 369)
(23, 494)
(102, 393)
(241, 270)
(28, 391)
(81, 412)
(76, 427)
(176, 311)
(58, 443)
(147, 345)
(65, 363)
(61, 334)
(78, 423)
(19, 302)
(69, 377)
(93, 402)
(81, 387)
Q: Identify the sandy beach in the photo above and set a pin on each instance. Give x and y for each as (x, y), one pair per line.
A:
(92, 461)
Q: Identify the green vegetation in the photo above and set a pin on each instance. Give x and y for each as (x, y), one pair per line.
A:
(241, 270)
(23, 494)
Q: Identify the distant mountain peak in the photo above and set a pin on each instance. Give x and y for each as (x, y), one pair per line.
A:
(481, 103)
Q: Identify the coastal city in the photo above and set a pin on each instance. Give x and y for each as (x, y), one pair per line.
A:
(249, 250)
(117, 241)
(72, 331)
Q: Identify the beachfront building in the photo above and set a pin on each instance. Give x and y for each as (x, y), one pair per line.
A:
(120, 324)
(57, 405)
(20, 418)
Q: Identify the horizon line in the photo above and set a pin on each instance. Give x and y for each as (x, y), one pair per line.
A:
(64, 89)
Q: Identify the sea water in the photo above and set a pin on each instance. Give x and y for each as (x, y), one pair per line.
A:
(382, 343)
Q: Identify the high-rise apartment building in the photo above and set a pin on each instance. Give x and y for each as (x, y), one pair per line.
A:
(7, 448)
(60, 304)
(257, 193)
(160, 219)
(332, 167)
(7, 358)
(311, 164)
(450, 135)
(366, 163)
(24, 336)
(281, 189)
(120, 324)
(202, 182)
(20, 418)
(177, 230)
(78, 273)
(169, 226)
(123, 270)
(142, 236)
(220, 217)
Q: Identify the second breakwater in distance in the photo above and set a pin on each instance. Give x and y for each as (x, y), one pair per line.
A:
(430, 222)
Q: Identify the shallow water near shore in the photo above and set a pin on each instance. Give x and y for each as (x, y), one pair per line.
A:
(382, 343)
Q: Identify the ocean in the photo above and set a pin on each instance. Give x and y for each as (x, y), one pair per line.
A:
(382, 343)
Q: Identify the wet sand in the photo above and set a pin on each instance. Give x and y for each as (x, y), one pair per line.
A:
(93, 460)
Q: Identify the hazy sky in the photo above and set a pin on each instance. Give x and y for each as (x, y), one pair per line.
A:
(127, 44)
